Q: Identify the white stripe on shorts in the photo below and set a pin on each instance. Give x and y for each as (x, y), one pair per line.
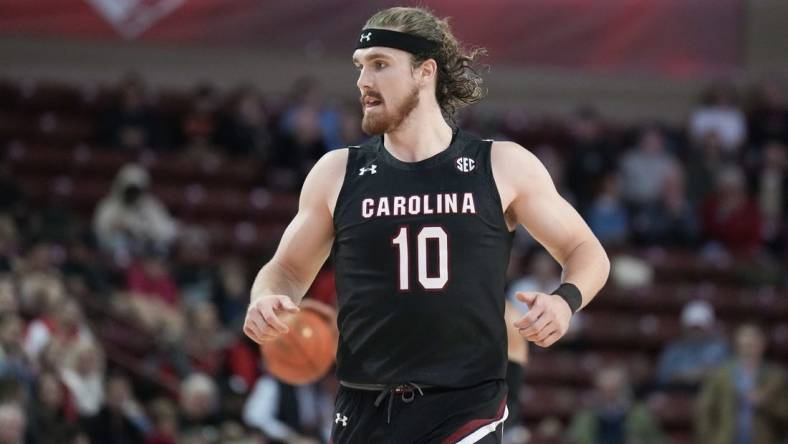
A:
(482, 431)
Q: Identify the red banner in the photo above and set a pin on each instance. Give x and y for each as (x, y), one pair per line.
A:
(679, 37)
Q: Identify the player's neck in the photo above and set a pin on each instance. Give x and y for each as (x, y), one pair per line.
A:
(423, 134)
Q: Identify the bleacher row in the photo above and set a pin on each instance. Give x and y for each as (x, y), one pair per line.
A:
(48, 133)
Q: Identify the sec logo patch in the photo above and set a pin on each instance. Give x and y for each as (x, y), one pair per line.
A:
(465, 164)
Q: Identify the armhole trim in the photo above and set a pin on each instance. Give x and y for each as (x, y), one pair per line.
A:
(496, 193)
(352, 150)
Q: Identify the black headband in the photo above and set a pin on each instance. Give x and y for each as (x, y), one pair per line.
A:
(394, 39)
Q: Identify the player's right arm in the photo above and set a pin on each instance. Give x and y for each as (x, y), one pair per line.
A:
(306, 243)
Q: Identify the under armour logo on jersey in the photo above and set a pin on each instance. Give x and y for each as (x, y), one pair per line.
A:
(365, 37)
(465, 164)
(372, 169)
(341, 418)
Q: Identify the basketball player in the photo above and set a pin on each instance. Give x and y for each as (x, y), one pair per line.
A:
(419, 221)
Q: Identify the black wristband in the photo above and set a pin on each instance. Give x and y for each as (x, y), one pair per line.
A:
(571, 294)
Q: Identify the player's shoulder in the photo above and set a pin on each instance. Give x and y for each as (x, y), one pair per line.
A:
(506, 146)
(334, 161)
(511, 155)
(324, 180)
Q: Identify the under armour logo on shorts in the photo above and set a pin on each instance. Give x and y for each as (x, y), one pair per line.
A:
(341, 418)
(372, 169)
(365, 37)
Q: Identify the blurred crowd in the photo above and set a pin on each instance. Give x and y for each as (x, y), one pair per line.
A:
(719, 181)
(739, 394)
(126, 327)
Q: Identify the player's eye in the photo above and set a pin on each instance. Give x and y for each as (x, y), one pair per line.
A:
(380, 65)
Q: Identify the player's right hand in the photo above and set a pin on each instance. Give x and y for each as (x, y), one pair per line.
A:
(263, 317)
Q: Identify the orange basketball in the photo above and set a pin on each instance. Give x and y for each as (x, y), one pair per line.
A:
(306, 352)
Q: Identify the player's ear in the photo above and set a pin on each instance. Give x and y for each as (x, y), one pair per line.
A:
(427, 72)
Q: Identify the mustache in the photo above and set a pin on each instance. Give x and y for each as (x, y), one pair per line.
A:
(372, 94)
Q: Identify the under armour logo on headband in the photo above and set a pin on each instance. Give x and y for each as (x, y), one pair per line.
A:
(365, 37)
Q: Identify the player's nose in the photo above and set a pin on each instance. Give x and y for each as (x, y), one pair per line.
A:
(364, 81)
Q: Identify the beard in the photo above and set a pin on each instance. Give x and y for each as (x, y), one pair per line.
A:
(379, 121)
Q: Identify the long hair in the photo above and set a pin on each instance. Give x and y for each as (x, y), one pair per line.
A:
(459, 81)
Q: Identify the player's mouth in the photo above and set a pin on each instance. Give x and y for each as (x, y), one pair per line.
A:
(369, 102)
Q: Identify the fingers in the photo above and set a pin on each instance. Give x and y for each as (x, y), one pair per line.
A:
(543, 334)
(530, 332)
(541, 325)
(272, 319)
(528, 298)
(258, 333)
(262, 322)
(286, 304)
(549, 339)
(534, 312)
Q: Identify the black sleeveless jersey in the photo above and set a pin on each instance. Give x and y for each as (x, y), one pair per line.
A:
(420, 252)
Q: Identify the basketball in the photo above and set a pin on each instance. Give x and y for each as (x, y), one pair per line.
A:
(306, 352)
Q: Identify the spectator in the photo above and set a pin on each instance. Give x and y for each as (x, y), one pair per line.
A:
(130, 218)
(199, 405)
(299, 149)
(39, 259)
(165, 422)
(307, 98)
(768, 114)
(14, 362)
(719, 114)
(350, 126)
(613, 416)
(61, 322)
(645, 168)
(8, 300)
(608, 217)
(232, 294)
(51, 413)
(121, 420)
(83, 375)
(12, 195)
(771, 192)
(153, 298)
(83, 268)
(689, 359)
(745, 400)
(12, 423)
(730, 217)
(233, 432)
(194, 269)
(200, 126)
(150, 278)
(130, 124)
(206, 343)
(704, 163)
(671, 221)
(282, 411)
(245, 132)
(590, 157)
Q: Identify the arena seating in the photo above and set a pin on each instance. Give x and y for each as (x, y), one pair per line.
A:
(48, 133)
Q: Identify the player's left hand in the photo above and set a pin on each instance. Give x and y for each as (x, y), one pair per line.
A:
(547, 319)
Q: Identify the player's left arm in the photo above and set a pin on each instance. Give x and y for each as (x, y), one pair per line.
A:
(531, 199)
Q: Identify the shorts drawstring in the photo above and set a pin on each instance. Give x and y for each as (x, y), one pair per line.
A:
(406, 390)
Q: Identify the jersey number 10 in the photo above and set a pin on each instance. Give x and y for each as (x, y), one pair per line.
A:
(426, 233)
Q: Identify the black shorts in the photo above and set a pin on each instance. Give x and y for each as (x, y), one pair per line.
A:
(437, 415)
